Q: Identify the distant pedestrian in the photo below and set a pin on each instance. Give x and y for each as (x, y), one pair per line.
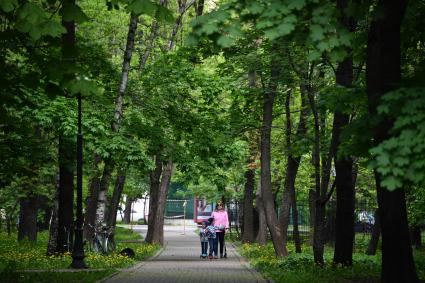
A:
(203, 234)
(221, 222)
(212, 239)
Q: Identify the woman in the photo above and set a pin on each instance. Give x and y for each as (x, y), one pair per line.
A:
(221, 221)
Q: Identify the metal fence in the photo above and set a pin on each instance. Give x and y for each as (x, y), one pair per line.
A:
(363, 224)
(175, 209)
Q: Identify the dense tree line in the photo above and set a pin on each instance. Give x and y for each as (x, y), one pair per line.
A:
(264, 101)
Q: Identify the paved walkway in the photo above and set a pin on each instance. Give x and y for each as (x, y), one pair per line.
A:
(179, 262)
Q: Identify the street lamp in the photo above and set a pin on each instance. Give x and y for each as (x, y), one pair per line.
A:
(78, 250)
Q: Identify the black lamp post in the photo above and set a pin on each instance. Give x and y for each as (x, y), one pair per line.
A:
(78, 250)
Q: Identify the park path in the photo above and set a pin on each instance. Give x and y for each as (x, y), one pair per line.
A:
(179, 262)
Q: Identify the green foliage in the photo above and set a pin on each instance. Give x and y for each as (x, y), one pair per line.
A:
(8, 5)
(32, 19)
(299, 267)
(401, 158)
(56, 277)
(25, 255)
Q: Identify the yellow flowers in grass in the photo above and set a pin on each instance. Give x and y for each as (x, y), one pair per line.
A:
(23, 255)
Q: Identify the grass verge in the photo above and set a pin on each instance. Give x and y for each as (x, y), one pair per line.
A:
(297, 268)
(18, 257)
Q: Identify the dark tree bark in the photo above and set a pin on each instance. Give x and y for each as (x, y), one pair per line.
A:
(154, 177)
(116, 197)
(383, 74)
(118, 115)
(199, 7)
(27, 228)
(295, 231)
(318, 241)
(266, 189)
(415, 233)
(183, 7)
(345, 194)
(65, 196)
(374, 239)
(127, 210)
(91, 207)
(66, 154)
(53, 230)
(248, 205)
(261, 237)
(157, 201)
(248, 209)
(312, 213)
(150, 42)
(292, 165)
(162, 199)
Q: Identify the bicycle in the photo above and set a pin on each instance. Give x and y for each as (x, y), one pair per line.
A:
(102, 240)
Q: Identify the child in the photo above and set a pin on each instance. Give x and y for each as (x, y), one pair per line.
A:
(204, 239)
(212, 239)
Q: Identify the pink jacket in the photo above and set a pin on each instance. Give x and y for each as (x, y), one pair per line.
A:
(220, 219)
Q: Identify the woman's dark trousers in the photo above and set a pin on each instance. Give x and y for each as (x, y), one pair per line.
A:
(220, 237)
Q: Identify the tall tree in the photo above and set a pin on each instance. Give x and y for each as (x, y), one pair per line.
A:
(345, 195)
(383, 74)
(266, 189)
(66, 145)
(118, 115)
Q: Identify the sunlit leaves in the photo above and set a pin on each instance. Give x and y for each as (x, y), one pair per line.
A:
(33, 20)
(142, 7)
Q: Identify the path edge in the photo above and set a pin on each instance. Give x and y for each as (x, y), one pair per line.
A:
(134, 267)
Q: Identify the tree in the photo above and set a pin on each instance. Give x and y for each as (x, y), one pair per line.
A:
(383, 74)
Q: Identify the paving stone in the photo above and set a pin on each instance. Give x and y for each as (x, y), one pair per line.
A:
(179, 262)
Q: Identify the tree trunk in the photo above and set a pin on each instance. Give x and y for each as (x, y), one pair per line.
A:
(28, 218)
(53, 230)
(295, 231)
(103, 189)
(248, 209)
(157, 202)
(150, 42)
(345, 184)
(66, 154)
(91, 207)
(267, 194)
(292, 165)
(127, 210)
(154, 177)
(318, 242)
(312, 213)
(199, 8)
(374, 239)
(65, 196)
(261, 237)
(248, 205)
(118, 115)
(162, 200)
(116, 197)
(415, 233)
(383, 74)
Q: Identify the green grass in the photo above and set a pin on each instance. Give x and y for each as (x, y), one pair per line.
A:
(125, 234)
(54, 277)
(16, 257)
(300, 268)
